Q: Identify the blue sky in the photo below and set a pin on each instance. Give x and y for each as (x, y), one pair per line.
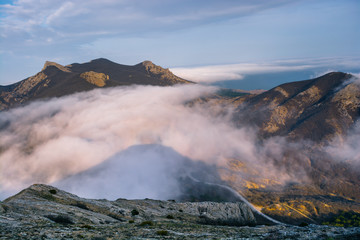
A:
(214, 39)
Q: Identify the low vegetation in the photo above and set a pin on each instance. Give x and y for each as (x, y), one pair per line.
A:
(162, 232)
(146, 223)
(344, 219)
(52, 191)
(134, 212)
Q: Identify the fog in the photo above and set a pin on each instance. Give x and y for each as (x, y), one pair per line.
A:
(50, 141)
(346, 148)
(141, 171)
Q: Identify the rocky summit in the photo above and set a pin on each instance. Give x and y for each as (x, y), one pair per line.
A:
(45, 212)
(55, 80)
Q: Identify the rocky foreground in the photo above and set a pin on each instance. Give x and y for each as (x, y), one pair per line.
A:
(45, 212)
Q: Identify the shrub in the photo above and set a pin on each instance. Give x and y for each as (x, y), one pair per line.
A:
(52, 191)
(81, 205)
(134, 212)
(87, 226)
(60, 219)
(146, 223)
(162, 233)
(131, 221)
(303, 224)
(48, 197)
(170, 217)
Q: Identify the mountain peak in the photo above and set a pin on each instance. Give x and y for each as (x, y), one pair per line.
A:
(148, 63)
(56, 80)
(163, 73)
(150, 67)
(59, 66)
(101, 60)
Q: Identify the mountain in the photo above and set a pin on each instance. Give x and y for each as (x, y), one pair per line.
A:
(55, 80)
(317, 109)
(299, 122)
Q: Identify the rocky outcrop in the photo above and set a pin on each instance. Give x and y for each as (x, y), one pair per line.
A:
(59, 66)
(97, 79)
(164, 74)
(237, 214)
(46, 203)
(21, 92)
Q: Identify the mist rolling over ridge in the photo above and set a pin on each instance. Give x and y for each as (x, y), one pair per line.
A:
(105, 130)
(46, 141)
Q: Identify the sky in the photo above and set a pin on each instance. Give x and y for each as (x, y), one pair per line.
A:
(225, 42)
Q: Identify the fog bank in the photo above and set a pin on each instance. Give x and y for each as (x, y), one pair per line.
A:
(50, 141)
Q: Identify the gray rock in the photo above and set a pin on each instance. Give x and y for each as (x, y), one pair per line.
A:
(237, 214)
(46, 203)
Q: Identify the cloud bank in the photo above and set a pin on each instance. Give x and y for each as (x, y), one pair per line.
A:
(48, 141)
(215, 73)
(94, 142)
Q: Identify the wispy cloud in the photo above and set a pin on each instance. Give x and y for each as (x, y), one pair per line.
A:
(40, 20)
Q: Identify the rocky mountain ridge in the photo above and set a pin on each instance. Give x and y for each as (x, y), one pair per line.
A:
(318, 109)
(55, 80)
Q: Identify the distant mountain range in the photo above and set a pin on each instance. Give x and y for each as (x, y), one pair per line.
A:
(55, 80)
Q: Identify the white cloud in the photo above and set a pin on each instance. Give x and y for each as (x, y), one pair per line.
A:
(48, 141)
(321, 73)
(61, 12)
(346, 148)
